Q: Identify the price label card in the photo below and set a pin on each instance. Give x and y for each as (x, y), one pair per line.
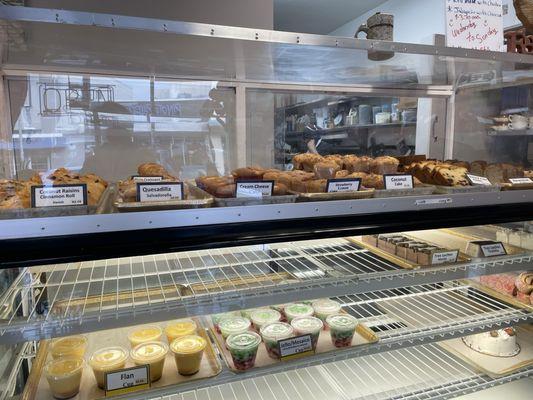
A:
(520, 180)
(127, 380)
(59, 195)
(427, 202)
(153, 191)
(442, 257)
(478, 180)
(142, 179)
(493, 249)
(254, 188)
(295, 347)
(397, 181)
(343, 185)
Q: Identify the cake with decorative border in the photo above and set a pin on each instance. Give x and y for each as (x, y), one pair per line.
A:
(497, 343)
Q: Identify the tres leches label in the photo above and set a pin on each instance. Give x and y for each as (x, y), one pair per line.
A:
(343, 185)
(59, 195)
(493, 249)
(442, 257)
(520, 181)
(254, 188)
(127, 380)
(164, 191)
(478, 180)
(295, 347)
(398, 181)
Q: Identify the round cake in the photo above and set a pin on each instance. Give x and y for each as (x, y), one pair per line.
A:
(499, 343)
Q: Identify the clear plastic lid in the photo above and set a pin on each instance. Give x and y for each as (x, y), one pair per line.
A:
(149, 351)
(243, 341)
(341, 321)
(326, 306)
(277, 331)
(68, 345)
(264, 316)
(234, 324)
(108, 357)
(216, 318)
(188, 344)
(145, 333)
(298, 310)
(64, 367)
(307, 324)
(181, 327)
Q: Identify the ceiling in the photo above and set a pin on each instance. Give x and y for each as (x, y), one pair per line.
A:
(318, 16)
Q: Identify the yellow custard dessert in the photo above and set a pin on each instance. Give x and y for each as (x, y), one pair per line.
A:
(152, 354)
(147, 333)
(188, 352)
(71, 347)
(64, 376)
(107, 360)
(182, 327)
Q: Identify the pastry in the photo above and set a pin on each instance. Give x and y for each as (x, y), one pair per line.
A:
(384, 165)
(373, 181)
(446, 175)
(154, 169)
(524, 282)
(343, 173)
(478, 168)
(251, 173)
(316, 186)
(497, 343)
(359, 164)
(326, 170)
(306, 161)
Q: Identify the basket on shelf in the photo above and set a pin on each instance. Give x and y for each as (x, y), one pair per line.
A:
(524, 12)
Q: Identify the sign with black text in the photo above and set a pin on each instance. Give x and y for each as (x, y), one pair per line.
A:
(520, 181)
(493, 249)
(295, 347)
(164, 191)
(59, 195)
(442, 257)
(142, 179)
(254, 188)
(343, 185)
(127, 380)
(398, 181)
(478, 180)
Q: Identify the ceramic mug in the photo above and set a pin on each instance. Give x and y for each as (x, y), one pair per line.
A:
(378, 27)
(518, 122)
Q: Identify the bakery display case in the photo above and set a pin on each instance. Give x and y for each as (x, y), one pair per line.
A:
(197, 211)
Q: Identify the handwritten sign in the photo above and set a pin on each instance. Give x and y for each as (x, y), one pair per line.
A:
(475, 24)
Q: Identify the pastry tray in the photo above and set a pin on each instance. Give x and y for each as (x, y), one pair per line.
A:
(362, 194)
(197, 198)
(102, 207)
(466, 189)
(37, 387)
(516, 186)
(363, 335)
(417, 191)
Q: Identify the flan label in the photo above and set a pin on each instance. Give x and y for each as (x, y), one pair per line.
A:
(143, 179)
(127, 380)
(398, 181)
(59, 195)
(295, 347)
(153, 191)
(493, 249)
(343, 185)
(254, 188)
(520, 181)
(442, 257)
(478, 180)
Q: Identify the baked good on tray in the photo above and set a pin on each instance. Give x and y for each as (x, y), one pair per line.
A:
(384, 165)
(497, 343)
(326, 169)
(128, 189)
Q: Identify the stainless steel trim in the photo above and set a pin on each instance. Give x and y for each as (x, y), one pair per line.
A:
(31, 14)
(57, 226)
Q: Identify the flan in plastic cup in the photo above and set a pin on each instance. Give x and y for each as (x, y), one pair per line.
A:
(295, 310)
(233, 326)
(188, 352)
(264, 316)
(179, 328)
(342, 329)
(308, 326)
(216, 318)
(272, 334)
(107, 360)
(325, 307)
(69, 347)
(152, 354)
(64, 376)
(243, 349)
(146, 333)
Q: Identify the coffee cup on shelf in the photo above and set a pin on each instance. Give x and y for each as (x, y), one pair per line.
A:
(518, 122)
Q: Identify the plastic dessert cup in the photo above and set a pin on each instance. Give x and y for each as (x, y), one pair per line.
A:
(308, 326)
(188, 352)
(243, 349)
(216, 318)
(152, 354)
(281, 309)
(233, 326)
(106, 360)
(69, 347)
(64, 376)
(264, 316)
(179, 328)
(324, 308)
(342, 328)
(147, 333)
(274, 332)
(295, 310)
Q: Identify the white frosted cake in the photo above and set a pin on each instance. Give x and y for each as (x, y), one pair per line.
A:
(500, 343)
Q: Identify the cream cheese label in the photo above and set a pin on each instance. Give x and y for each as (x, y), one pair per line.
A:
(343, 185)
(254, 188)
(153, 191)
(398, 181)
(59, 195)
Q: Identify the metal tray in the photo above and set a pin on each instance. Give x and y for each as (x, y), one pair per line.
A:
(197, 199)
(417, 191)
(466, 189)
(37, 387)
(102, 207)
(516, 186)
(362, 194)
(252, 201)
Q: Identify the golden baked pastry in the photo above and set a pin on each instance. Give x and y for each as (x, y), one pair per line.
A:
(358, 164)
(154, 169)
(306, 161)
(372, 181)
(384, 165)
(316, 186)
(248, 173)
(478, 167)
(343, 173)
(326, 170)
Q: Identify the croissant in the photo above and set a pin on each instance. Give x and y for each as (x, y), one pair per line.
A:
(524, 282)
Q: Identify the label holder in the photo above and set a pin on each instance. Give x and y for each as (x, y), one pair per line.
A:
(244, 181)
(476, 180)
(146, 179)
(493, 249)
(332, 182)
(130, 388)
(289, 353)
(34, 188)
(388, 186)
(444, 257)
(520, 181)
(141, 184)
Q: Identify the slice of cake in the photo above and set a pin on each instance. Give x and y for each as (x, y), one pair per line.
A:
(498, 343)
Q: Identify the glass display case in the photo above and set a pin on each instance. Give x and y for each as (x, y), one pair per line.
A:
(202, 211)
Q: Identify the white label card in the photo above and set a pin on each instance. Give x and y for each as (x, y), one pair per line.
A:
(154, 191)
(520, 180)
(59, 195)
(124, 380)
(397, 182)
(442, 257)
(493, 249)
(254, 188)
(295, 345)
(143, 179)
(427, 202)
(478, 180)
(343, 185)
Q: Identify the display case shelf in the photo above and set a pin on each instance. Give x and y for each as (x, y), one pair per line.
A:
(89, 296)
(344, 128)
